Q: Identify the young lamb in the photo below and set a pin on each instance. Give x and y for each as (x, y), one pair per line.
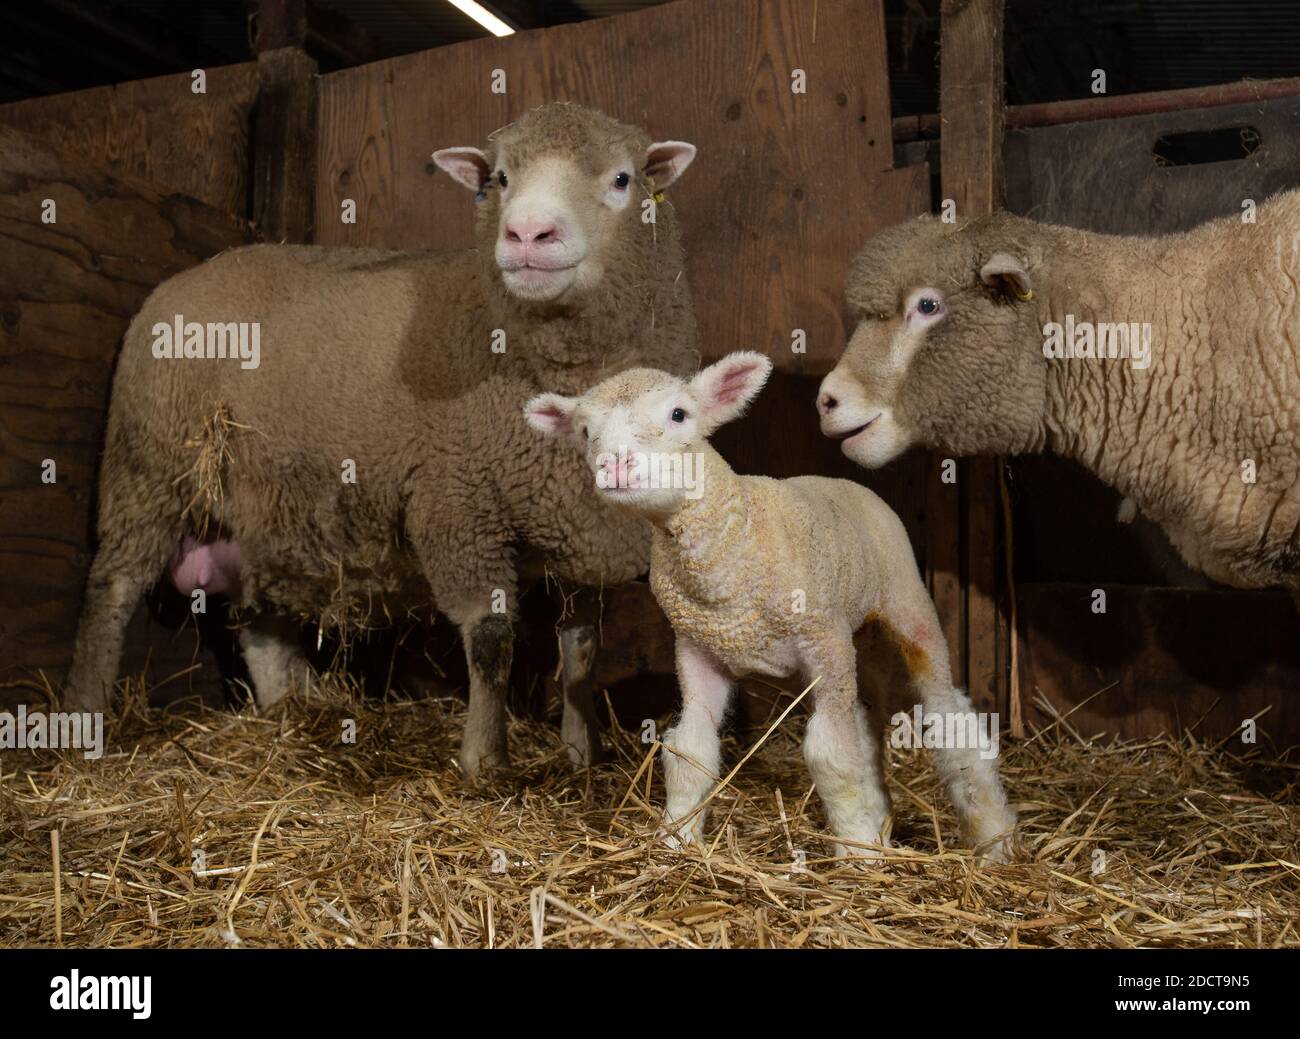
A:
(959, 342)
(375, 458)
(772, 578)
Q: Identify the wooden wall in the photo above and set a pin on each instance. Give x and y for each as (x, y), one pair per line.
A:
(67, 292)
(785, 189)
(158, 129)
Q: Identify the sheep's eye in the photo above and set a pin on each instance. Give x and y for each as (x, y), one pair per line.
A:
(679, 415)
(501, 178)
(927, 305)
(622, 181)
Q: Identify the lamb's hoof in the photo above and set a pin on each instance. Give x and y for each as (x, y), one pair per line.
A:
(995, 852)
(856, 851)
(680, 836)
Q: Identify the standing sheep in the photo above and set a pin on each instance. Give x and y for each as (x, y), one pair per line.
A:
(369, 454)
(982, 337)
(772, 578)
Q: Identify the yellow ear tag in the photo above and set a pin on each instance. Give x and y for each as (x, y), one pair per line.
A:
(1025, 297)
(659, 197)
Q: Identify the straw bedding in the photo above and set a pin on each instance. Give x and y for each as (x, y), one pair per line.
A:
(308, 840)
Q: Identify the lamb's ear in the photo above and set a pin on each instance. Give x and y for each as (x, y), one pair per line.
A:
(665, 161)
(1002, 270)
(467, 166)
(551, 414)
(723, 390)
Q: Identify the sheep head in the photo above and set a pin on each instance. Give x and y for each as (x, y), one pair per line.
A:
(946, 350)
(643, 430)
(561, 192)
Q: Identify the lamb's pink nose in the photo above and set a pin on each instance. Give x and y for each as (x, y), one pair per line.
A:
(532, 232)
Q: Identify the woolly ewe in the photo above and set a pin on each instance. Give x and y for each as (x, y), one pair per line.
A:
(772, 578)
(410, 369)
(955, 325)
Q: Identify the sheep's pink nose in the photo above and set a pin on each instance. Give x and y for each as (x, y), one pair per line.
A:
(532, 231)
(826, 403)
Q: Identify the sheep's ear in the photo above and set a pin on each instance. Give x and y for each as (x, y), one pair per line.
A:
(1006, 272)
(467, 166)
(665, 161)
(723, 390)
(551, 414)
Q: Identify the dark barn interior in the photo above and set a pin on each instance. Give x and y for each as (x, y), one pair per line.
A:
(310, 108)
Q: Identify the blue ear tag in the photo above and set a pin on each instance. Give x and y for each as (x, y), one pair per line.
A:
(482, 194)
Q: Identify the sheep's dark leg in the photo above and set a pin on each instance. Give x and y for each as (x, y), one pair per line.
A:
(578, 727)
(578, 640)
(466, 556)
(489, 649)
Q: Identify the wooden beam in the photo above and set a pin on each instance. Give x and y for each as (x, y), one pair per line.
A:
(1089, 109)
(280, 23)
(284, 145)
(331, 32)
(970, 101)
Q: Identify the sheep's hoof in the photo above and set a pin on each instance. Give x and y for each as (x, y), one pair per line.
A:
(85, 698)
(584, 753)
(475, 763)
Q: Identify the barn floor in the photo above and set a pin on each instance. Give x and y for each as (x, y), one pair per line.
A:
(313, 842)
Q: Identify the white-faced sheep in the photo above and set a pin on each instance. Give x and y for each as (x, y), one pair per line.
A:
(772, 578)
(982, 337)
(375, 458)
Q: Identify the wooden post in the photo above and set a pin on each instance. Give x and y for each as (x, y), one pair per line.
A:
(284, 138)
(970, 102)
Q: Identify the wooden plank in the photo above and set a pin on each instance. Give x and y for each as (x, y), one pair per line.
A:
(284, 174)
(67, 291)
(970, 98)
(786, 189)
(158, 129)
(1075, 174)
(1115, 106)
(1167, 660)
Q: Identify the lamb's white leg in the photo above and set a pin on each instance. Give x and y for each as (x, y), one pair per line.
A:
(578, 726)
(969, 773)
(275, 659)
(842, 755)
(692, 750)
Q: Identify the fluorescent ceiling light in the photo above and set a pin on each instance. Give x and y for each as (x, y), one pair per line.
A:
(484, 17)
